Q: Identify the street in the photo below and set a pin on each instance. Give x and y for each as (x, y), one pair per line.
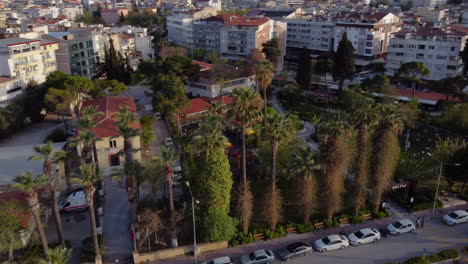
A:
(435, 236)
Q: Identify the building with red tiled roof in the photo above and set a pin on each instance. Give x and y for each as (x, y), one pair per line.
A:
(111, 142)
(203, 65)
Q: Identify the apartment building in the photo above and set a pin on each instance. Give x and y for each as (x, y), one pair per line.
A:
(315, 35)
(112, 16)
(180, 25)
(9, 89)
(369, 34)
(424, 3)
(27, 59)
(76, 53)
(437, 49)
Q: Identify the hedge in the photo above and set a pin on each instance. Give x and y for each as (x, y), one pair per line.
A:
(87, 249)
(441, 256)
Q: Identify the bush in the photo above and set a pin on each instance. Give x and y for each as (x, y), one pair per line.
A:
(278, 233)
(417, 260)
(441, 256)
(304, 228)
(87, 249)
(449, 254)
(57, 135)
(240, 239)
(218, 226)
(356, 219)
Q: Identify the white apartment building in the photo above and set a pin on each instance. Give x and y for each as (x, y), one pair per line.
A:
(369, 34)
(9, 89)
(313, 35)
(437, 49)
(424, 3)
(218, 4)
(27, 59)
(180, 25)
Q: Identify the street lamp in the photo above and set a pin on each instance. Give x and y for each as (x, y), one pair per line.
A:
(438, 180)
(193, 216)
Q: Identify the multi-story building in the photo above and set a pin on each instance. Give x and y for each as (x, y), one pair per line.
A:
(209, 3)
(316, 36)
(76, 53)
(180, 25)
(112, 16)
(431, 14)
(424, 3)
(9, 89)
(27, 59)
(369, 34)
(437, 49)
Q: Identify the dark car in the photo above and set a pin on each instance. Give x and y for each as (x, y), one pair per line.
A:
(294, 250)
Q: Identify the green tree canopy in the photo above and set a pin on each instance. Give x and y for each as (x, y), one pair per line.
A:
(218, 226)
(344, 67)
(272, 51)
(304, 70)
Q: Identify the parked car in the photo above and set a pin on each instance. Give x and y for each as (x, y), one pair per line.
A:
(168, 142)
(220, 260)
(294, 250)
(456, 217)
(364, 236)
(402, 226)
(258, 257)
(157, 115)
(331, 242)
(75, 201)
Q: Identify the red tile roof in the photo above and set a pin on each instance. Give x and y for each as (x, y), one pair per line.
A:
(223, 99)
(255, 22)
(110, 106)
(433, 96)
(203, 65)
(196, 106)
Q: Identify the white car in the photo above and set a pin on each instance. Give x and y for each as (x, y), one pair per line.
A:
(364, 236)
(75, 201)
(331, 242)
(402, 226)
(456, 217)
(221, 260)
(261, 256)
(168, 142)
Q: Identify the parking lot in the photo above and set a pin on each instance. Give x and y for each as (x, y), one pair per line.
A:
(435, 236)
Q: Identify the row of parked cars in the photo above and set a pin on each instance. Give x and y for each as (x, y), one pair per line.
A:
(337, 241)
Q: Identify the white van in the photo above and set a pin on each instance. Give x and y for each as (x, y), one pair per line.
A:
(76, 201)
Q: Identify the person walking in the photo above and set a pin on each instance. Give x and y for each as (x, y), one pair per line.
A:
(418, 222)
(422, 222)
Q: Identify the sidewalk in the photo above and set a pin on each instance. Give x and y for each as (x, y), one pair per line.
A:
(281, 242)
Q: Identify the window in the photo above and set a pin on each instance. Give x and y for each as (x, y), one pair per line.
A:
(419, 56)
(451, 67)
(411, 46)
(431, 47)
(368, 51)
(368, 44)
(440, 57)
(81, 45)
(421, 47)
(113, 143)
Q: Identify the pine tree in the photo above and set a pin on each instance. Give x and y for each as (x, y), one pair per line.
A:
(344, 67)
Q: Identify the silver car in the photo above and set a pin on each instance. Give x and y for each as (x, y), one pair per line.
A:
(261, 256)
(401, 226)
(364, 236)
(220, 260)
(456, 217)
(294, 250)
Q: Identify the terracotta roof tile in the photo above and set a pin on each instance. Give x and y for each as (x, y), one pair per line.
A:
(433, 96)
(203, 65)
(196, 106)
(255, 22)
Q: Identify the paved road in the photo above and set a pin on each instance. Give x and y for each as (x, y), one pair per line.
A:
(435, 236)
(31, 135)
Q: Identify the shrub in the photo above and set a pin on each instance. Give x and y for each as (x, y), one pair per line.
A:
(278, 233)
(449, 254)
(304, 228)
(240, 238)
(87, 249)
(356, 219)
(57, 135)
(417, 260)
(218, 226)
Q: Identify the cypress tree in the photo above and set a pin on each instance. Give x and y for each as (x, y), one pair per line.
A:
(304, 70)
(344, 67)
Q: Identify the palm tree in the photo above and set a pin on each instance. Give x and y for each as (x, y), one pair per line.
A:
(126, 119)
(87, 122)
(44, 152)
(57, 255)
(169, 156)
(302, 164)
(209, 136)
(410, 72)
(365, 118)
(276, 129)
(85, 140)
(336, 157)
(67, 156)
(216, 108)
(28, 184)
(88, 178)
(246, 110)
(264, 73)
(387, 149)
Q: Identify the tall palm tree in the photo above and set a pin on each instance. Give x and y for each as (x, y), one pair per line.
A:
(276, 129)
(67, 156)
(169, 156)
(124, 126)
(410, 72)
(365, 118)
(45, 152)
(85, 140)
(88, 178)
(87, 121)
(209, 136)
(245, 110)
(387, 149)
(336, 158)
(302, 164)
(28, 184)
(58, 255)
(264, 73)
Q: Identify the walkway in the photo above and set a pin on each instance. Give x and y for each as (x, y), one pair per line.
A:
(117, 241)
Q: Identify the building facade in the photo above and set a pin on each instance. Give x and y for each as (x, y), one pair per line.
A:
(438, 49)
(76, 53)
(27, 59)
(9, 89)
